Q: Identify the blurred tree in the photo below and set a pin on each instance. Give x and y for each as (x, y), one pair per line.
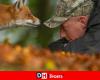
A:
(44, 11)
(4, 1)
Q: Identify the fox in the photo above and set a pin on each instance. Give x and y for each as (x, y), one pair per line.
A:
(17, 14)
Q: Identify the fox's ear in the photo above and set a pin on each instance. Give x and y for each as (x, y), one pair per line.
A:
(23, 2)
(19, 4)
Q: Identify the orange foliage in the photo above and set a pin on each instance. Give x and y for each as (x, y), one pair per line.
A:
(32, 58)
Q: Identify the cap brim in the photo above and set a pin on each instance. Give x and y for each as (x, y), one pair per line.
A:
(55, 21)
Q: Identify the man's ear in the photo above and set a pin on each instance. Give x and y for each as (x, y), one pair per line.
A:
(19, 3)
(83, 19)
(62, 32)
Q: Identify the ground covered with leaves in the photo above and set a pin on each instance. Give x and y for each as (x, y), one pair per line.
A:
(32, 58)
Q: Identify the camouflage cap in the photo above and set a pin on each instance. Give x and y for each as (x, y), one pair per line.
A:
(68, 8)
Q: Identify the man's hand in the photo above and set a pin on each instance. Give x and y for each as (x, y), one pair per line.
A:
(74, 28)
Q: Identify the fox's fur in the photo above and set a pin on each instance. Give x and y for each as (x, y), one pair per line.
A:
(18, 14)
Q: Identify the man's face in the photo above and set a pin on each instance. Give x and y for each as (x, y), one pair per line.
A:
(74, 28)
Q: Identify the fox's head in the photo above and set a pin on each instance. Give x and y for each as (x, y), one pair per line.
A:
(23, 15)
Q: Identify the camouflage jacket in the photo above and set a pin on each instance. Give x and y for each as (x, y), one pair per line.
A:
(68, 8)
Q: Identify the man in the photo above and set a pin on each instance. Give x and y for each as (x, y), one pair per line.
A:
(71, 30)
(90, 42)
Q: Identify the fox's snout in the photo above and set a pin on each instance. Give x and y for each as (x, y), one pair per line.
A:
(37, 22)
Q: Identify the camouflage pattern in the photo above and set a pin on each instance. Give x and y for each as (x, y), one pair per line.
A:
(68, 8)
